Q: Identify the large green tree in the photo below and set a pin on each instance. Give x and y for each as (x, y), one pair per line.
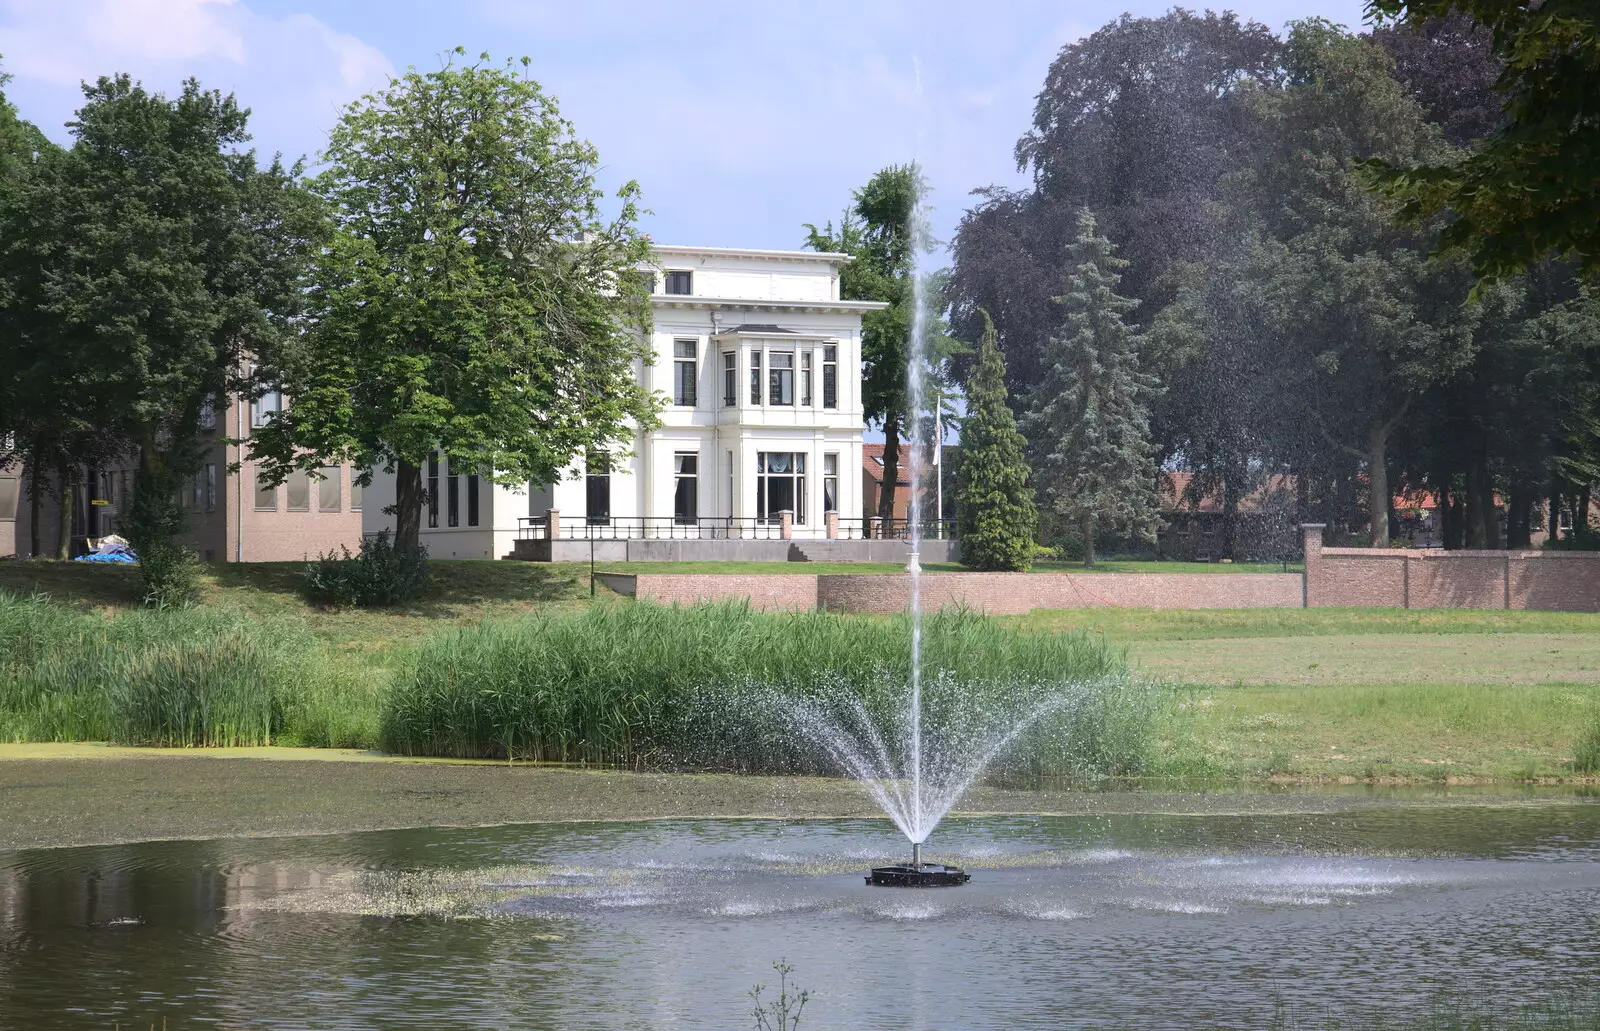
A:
(1531, 190)
(155, 262)
(474, 299)
(878, 232)
(994, 502)
(1089, 415)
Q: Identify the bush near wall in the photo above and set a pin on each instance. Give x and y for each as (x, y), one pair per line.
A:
(701, 687)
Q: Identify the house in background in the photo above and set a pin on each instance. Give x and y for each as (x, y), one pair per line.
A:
(937, 465)
(232, 516)
(759, 363)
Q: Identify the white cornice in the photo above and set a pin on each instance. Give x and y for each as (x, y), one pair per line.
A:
(826, 257)
(745, 304)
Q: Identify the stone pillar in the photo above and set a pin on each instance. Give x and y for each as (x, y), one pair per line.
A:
(830, 520)
(1312, 535)
(786, 525)
(552, 525)
(875, 528)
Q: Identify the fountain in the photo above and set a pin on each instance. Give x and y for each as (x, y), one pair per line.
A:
(920, 780)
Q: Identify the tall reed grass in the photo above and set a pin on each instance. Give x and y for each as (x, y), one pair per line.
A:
(644, 685)
(177, 677)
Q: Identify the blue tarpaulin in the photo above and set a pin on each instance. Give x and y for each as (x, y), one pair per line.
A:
(118, 557)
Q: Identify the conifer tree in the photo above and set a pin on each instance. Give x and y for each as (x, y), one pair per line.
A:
(1089, 417)
(993, 500)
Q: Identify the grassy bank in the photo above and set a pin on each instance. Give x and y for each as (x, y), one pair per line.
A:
(1284, 693)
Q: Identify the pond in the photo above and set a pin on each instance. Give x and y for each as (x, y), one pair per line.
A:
(1154, 920)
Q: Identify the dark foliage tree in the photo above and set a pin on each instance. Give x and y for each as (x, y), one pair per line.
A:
(994, 503)
(1140, 122)
(1089, 415)
(1530, 191)
(473, 299)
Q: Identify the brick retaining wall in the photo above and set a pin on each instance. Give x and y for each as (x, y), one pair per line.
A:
(994, 593)
(1567, 581)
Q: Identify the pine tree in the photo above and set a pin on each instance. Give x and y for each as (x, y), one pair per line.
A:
(993, 500)
(1089, 417)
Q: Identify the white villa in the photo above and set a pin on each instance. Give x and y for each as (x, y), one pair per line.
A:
(760, 365)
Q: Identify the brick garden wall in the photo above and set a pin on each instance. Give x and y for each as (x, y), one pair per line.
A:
(994, 593)
(1567, 581)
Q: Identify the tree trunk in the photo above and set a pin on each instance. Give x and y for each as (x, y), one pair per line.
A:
(1553, 527)
(1580, 522)
(1230, 517)
(1088, 542)
(891, 470)
(1483, 526)
(1519, 518)
(65, 488)
(35, 507)
(408, 501)
(1378, 483)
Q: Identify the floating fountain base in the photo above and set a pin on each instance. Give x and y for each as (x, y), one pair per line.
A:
(921, 875)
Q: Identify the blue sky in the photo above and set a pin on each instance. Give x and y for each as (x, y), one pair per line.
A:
(740, 120)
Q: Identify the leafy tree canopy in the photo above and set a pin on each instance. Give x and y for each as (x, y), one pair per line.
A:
(474, 298)
(1531, 190)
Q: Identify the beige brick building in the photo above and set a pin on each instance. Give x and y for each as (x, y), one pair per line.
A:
(231, 517)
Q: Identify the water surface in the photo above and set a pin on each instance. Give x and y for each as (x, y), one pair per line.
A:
(1128, 920)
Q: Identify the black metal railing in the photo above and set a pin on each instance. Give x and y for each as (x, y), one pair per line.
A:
(720, 528)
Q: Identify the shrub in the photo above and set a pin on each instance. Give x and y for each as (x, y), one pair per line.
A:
(382, 574)
(1582, 539)
(705, 687)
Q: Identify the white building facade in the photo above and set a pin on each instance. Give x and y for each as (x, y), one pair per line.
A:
(759, 364)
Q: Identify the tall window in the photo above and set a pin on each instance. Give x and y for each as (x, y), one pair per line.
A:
(830, 483)
(355, 494)
(9, 490)
(211, 486)
(266, 408)
(683, 373)
(266, 494)
(208, 417)
(597, 484)
(805, 377)
(755, 376)
(730, 379)
(329, 488)
(452, 495)
(199, 490)
(433, 492)
(730, 484)
(680, 283)
(780, 485)
(297, 493)
(472, 499)
(781, 376)
(686, 487)
(830, 376)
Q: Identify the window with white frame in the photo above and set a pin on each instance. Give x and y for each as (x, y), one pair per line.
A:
(780, 485)
(781, 378)
(730, 379)
(755, 375)
(680, 282)
(686, 488)
(266, 408)
(830, 376)
(830, 483)
(805, 378)
(433, 492)
(452, 493)
(683, 373)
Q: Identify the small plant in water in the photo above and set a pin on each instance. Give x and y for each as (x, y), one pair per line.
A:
(783, 1012)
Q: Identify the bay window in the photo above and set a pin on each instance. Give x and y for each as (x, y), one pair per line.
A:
(780, 485)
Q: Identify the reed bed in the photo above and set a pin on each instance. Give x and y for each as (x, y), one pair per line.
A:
(184, 677)
(644, 685)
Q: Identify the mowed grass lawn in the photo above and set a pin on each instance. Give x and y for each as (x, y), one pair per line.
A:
(1362, 693)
